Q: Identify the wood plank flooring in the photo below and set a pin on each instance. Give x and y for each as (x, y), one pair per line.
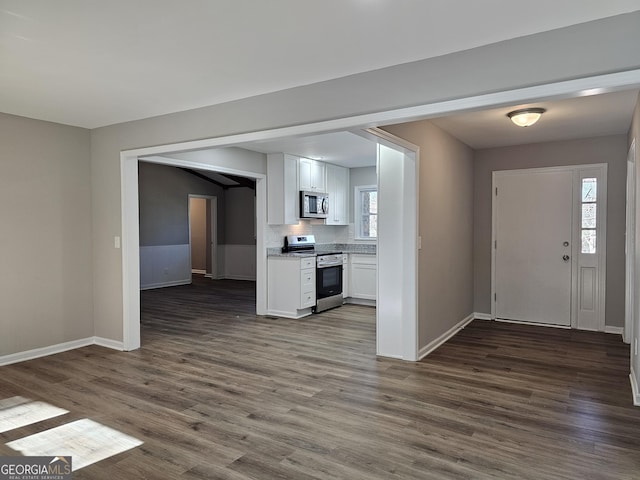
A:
(218, 393)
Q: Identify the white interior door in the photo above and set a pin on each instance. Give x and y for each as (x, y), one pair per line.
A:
(533, 246)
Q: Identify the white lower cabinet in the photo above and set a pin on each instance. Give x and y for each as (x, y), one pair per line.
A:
(291, 288)
(363, 277)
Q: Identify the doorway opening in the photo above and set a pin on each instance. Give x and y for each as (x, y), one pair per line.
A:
(558, 90)
(404, 318)
(203, 231)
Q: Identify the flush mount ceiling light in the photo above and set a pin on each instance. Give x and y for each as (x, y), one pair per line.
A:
(526, 117)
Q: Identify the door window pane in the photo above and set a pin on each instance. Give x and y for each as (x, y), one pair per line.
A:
(588, 241)
(589, 189)
(589, 215)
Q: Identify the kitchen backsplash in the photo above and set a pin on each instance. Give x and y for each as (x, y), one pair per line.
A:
(325, 234)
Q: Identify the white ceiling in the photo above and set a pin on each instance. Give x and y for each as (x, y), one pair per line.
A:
(94, 63)
(340, 148)
(592, 116)
(582, 117)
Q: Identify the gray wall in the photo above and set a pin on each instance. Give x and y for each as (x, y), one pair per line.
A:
(611, 150)
(164, 204)
(239, 225)
(608, 45)
(445, 225)
(45, 260)
(357, 177)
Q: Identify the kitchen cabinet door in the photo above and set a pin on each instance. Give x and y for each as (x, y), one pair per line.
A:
(338, 190)
(363, 276)
(282, 189)
(312, 175)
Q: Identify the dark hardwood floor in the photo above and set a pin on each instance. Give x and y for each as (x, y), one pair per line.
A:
(218, 393)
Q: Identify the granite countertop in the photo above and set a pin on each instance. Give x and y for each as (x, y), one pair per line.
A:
(276, 252)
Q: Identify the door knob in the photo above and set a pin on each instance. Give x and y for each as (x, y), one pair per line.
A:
(565, 258)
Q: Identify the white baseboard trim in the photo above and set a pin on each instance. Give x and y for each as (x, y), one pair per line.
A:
(634, 388)
(360, 301)
(198, 271)
(427, 349)
(44, 351)
(395, 357)
(281, 313)
(240, 277)
(534, 324)
(59, 348)
(614, 330)
(166, 284)
(108, 343)
(487, 316)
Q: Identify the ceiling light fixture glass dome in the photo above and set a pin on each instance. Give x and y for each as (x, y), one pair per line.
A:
(526, 117)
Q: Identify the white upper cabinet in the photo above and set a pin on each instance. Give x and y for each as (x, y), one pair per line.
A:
(282, 189)
(338, 190)
(312, 175)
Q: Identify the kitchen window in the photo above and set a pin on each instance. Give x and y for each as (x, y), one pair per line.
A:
(366, 212)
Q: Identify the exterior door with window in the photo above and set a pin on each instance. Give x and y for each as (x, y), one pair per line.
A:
(548, 246)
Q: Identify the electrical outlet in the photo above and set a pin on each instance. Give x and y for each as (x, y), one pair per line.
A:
(166, 271)
(116, 242)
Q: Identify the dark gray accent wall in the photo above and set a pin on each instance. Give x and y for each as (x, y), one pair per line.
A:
(240, 214)
(164, 204)
(611, 150)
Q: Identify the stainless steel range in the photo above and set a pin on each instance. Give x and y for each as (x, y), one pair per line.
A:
(328, 281)
(328, 271)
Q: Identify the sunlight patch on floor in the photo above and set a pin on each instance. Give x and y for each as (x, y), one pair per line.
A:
(16, 412)
(86, 441)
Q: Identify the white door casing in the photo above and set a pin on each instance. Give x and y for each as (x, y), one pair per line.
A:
(630, 245)
(534, 213)
(397, 275)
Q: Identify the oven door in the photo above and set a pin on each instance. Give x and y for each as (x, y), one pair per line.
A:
(328, 281)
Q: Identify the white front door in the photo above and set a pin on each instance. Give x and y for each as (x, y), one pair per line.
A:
(533, 246)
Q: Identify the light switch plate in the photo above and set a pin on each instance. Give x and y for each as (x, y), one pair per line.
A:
(116, 242)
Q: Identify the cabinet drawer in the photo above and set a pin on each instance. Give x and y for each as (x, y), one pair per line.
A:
(308, 280)
(307, 263)
(307, 299)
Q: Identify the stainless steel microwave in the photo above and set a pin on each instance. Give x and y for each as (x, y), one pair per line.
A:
(314, 205)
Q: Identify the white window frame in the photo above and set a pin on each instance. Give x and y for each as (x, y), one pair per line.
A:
(357, 214)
